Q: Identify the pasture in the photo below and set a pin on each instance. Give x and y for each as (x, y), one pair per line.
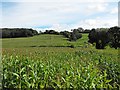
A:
(51, 61)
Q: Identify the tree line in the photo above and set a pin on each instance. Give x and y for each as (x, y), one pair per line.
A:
(17, 32)
(24, 32)
(103, 37)
(73, 35)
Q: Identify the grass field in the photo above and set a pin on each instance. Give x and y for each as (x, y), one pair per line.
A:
(51, 61)
(41, 40)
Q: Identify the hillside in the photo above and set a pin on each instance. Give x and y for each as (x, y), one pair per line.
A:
(44, 40)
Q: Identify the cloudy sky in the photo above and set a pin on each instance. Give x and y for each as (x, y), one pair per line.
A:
(58, 14)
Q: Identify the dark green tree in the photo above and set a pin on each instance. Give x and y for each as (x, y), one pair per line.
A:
(75, 35)
(99, 37)
(114, 35)
(17, 32)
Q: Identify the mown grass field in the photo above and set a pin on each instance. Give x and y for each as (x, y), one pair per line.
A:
(51, 61)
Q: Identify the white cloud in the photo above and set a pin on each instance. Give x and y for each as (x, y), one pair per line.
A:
(114, 10)
(97, 7)
(57, 27)
(34, 14)
(60, 16)
(98, 23)
(86, 24)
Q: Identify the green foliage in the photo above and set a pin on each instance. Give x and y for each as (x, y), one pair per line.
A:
(17, 32)
(51, 32)
(45, 40)
(75, 35)
(105, 36)
(65, 34)
(58, 67)
(114, 35)
(72, 36)
(62, 70)
(100, 37)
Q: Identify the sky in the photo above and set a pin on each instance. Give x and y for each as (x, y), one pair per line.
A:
(59, 15)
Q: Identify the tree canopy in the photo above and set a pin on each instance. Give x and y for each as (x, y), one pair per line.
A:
(17, 32)
(104, 36)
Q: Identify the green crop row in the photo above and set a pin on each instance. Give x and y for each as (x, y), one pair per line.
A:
(78, 69)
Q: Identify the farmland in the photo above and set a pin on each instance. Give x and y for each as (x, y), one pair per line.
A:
(51, 61)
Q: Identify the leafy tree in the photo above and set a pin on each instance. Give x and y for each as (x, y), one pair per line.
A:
(72, 37)
(51, 32)
(17, 32)
(65, 34)
(81, 30)
(114, 35)
(99, 37)
(75, 35)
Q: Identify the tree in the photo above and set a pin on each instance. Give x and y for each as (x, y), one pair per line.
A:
(65, 34)
(75, 35)
(99, 37)
(51, 32)
(72, 37)
(114, 35)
